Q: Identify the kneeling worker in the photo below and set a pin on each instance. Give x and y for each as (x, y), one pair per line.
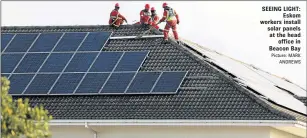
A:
(154, 18)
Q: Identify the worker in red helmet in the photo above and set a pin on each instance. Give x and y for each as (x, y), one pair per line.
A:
(116, 19)
(172, 19)
(154, 18)
(145, 15)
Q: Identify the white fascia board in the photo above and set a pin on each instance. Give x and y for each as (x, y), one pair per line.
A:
(133, 37)
(176, 123)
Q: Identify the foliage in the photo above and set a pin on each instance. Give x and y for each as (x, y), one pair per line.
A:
(18, 118)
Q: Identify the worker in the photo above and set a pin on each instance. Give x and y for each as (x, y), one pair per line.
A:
(172, 19)
(154, 18)
(145, 15)
(116, 19)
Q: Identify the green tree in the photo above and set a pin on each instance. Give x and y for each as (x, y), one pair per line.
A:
(18, 118)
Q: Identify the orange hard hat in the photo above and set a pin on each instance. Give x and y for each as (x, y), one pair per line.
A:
(164, 4)
(116, 5)
(153, 9)
(147, 6)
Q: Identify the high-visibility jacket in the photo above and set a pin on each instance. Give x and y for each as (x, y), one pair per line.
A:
(115, 15)
(169, 15)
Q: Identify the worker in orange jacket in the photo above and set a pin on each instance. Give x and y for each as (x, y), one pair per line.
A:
(145, 16)
(172, 19)
(154, 18)
(116, 19)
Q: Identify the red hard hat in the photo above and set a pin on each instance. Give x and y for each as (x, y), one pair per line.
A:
(116, 5)
(147, 6)
(164, 4)
(153, 9)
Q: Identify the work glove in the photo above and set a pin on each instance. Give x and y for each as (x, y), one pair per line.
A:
(177, 22)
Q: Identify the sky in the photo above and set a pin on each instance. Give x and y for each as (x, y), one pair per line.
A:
(230, 27)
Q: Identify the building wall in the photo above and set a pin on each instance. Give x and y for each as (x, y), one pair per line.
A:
(70, 132)
(184, 132)
(281, 134)
(168, 132)
(161, 132)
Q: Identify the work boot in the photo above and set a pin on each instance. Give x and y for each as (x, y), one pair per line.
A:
(178, 42)
(165, 41)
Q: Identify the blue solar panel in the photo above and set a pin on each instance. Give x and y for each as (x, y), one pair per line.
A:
(21, 43)
(56, 62)
(92, 83)
(131, 61)
(41, 84)
(81, 62)
(45, 42)
(106, 62)
(67, 83)
(31, 62)
(9, 61)
(70, 42)
(94, 41)
(143, 82)
(5, 39)
(19, 82)
(169, 82)
(117, 83)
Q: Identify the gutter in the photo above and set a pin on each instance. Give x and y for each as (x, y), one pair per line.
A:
(275, 123)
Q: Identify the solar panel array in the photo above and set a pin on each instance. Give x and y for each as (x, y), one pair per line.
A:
(74, 63)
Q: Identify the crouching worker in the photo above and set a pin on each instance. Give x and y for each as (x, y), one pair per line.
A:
(145, 16)
(116, 19)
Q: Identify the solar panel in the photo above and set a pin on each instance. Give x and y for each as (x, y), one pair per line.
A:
(169, 82)
(106, 61)
(45, 42)
(5, 39)
(70, 42)
(9, 61)
(19, 82)
(21, 43)
(143, 82)
(92, 82)
(41, 84)
(131, 61)
(81, 62)
(94, 41)
(56, 62)
(31, 62)
(117, 83)
(67, 83)
(73, 63)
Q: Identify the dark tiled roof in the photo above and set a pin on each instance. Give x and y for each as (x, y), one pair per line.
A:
(206, 93)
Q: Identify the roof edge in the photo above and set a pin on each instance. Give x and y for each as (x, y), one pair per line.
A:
(271, 123)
